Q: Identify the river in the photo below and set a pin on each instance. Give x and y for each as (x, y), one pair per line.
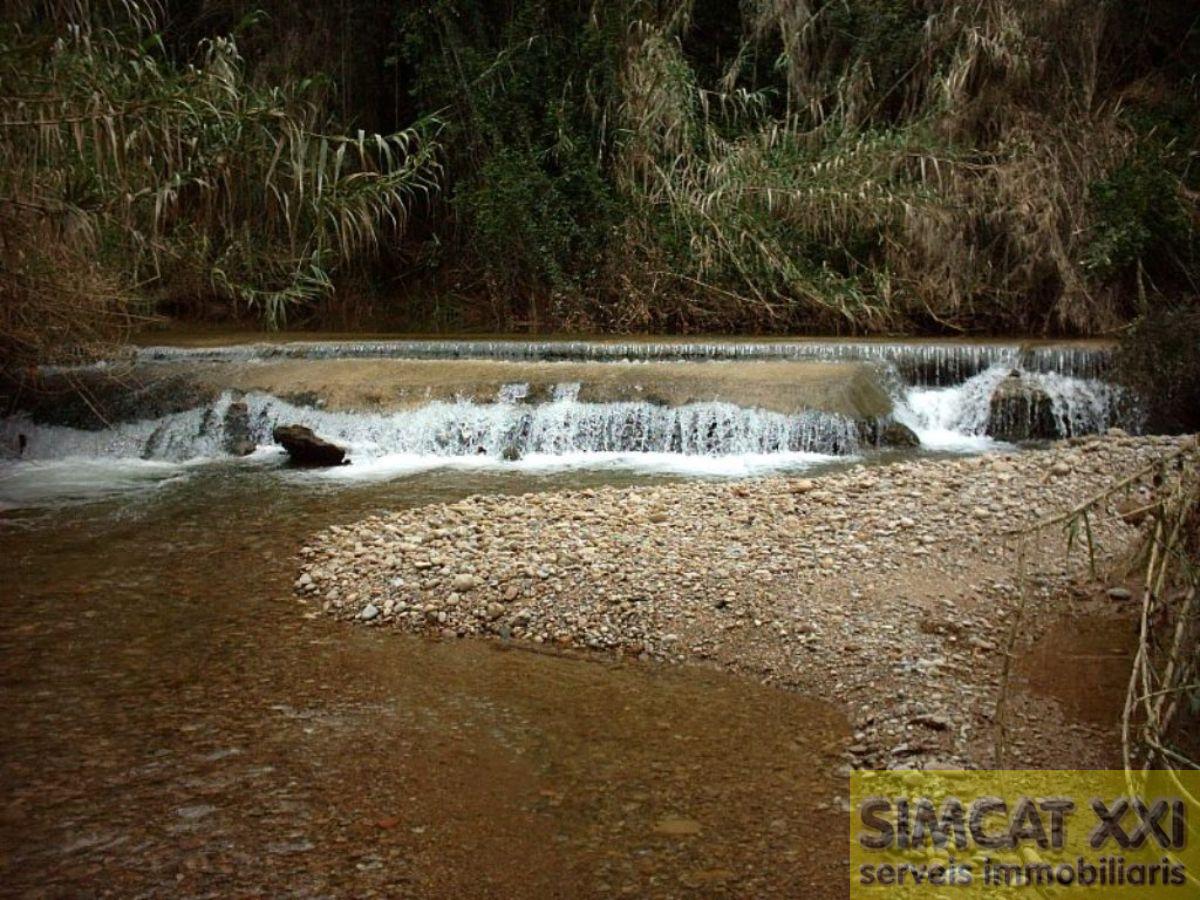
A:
(176, 723)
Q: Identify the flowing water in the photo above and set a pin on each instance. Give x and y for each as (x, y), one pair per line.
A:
(926, 363)
(175, 723)
(442, 432)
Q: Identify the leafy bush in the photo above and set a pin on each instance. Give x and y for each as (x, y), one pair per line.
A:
(528, 203)
(832, 165)
(1139, 218)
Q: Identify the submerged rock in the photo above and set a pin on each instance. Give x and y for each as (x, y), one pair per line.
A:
(883, 432)
(98, 399)
(893, 434)
(1021, 410)
(238, 438)
(306, 449)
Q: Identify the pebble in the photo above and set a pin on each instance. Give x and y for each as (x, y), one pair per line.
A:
(847, 584)
(936, 722)
(677, 827)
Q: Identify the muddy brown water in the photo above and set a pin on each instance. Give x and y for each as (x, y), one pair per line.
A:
(174, 724)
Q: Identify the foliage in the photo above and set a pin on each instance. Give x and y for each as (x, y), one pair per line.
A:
(772, 165)
(526, 195)
(1141, 223)
(872, 165)
(187, 177)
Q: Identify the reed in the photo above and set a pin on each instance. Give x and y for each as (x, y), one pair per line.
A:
(125, 175)
(949, 185)
(858, 166)
(1163, 694)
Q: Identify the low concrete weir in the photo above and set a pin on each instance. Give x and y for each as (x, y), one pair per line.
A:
(926, 363)
(562, 427)
(506, 400)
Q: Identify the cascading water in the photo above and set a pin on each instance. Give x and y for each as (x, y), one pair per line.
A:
(951, 418)
(965, 416)
(945, 393)
(563, 426)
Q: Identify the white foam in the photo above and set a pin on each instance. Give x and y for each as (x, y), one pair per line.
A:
(952, 419)
(25, 485)
(464, 429)
(192, 435)
(710, 439)
(955, 419)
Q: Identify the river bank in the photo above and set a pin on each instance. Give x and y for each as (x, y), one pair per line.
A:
(889, 590)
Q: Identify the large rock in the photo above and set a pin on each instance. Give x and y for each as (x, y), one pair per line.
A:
(306, 449)
(1021, 411)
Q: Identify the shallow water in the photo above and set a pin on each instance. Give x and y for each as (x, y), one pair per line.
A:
(176, 723)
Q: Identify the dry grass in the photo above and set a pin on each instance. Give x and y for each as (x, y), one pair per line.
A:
(57, 305)
(1163, 696)
(964, 207)
(850, 166)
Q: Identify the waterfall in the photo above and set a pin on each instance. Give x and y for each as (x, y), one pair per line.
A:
(951, 418)
(963, 416)
(944, 392)
(561, 427)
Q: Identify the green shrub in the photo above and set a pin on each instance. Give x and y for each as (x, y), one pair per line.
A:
(1139, 218)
